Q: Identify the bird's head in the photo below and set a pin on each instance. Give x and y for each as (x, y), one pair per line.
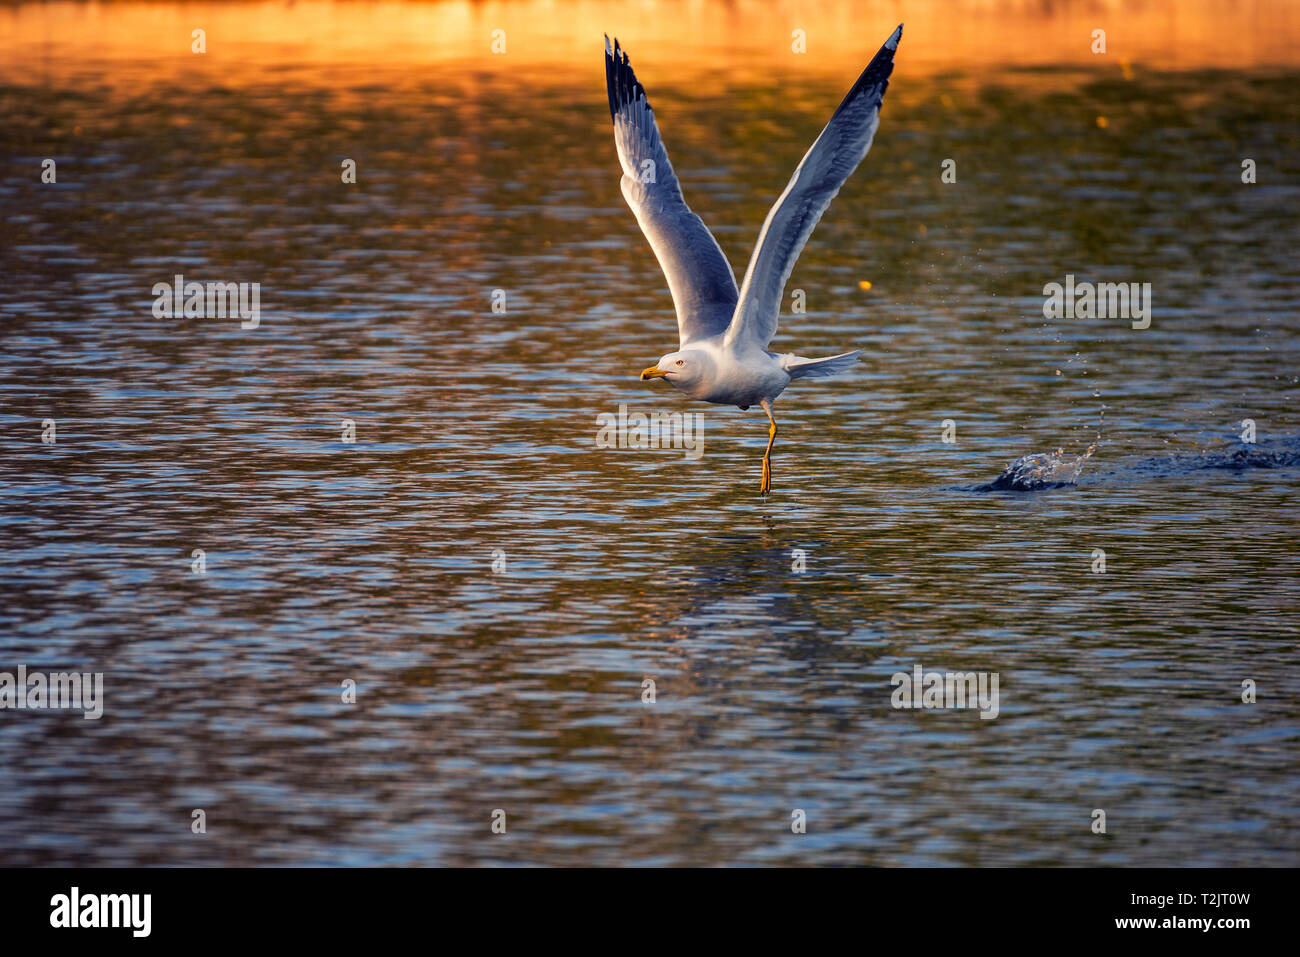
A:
(683, 369)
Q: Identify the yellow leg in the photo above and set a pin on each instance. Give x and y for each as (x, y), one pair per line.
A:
(767, 456)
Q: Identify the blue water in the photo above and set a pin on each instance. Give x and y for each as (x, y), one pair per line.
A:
(520, 689)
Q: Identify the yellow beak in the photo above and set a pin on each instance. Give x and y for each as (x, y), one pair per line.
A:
(652, 373)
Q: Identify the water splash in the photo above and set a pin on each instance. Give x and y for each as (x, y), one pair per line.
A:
(1040, 470)
(1031, 473)
(1281, 453)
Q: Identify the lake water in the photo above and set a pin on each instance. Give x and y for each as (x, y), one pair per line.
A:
(499, 588)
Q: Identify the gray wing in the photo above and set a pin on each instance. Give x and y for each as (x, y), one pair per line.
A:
(699, 276)
(823, 170)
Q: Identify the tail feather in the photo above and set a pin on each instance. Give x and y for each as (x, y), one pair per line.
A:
(801, 368)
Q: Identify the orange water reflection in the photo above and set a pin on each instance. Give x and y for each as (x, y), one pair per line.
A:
(323, 41)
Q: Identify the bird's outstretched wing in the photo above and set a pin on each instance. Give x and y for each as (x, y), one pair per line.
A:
(699, 276)
(825, 167)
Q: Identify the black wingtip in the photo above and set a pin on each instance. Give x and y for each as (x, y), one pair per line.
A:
(875, 78)
(611, 75)
(620, 82)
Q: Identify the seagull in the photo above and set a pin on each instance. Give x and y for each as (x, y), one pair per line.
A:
(723, 333)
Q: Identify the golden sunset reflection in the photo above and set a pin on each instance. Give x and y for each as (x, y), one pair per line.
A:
(403, 479)
(325, 40)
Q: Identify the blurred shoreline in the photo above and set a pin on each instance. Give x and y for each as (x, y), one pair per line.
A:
(320, 42)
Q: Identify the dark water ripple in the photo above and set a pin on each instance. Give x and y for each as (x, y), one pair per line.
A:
(476, 430)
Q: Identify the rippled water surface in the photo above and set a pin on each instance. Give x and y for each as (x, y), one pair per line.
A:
(521, 688)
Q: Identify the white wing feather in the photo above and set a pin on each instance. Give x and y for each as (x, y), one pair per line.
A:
(836, 153)
(699, 276)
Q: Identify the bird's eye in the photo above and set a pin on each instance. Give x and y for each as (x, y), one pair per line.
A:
(681, 362)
